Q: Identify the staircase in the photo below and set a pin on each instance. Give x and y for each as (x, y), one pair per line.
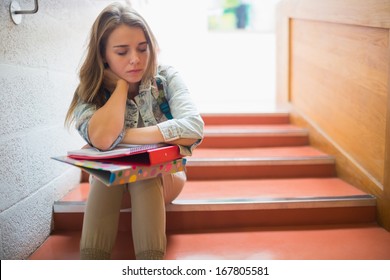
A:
(256, 190)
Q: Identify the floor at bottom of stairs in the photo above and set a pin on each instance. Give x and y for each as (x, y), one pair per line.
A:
(338, 242)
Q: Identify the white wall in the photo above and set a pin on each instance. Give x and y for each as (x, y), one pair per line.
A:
(39, 60)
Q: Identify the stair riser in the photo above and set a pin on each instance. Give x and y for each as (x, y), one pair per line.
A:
(249, 142)
(265, 171)
(214, 220)
(74, 221)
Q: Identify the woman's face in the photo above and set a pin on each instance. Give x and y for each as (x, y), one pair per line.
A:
(127, 53)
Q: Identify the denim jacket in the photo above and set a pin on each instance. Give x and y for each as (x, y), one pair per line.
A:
(145, 111)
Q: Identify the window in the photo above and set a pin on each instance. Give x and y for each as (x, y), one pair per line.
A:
(254, 15)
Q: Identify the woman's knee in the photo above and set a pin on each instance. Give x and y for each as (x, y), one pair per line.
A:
(173, 185)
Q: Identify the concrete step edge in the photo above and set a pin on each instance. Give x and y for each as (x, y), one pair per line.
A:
(237, 204)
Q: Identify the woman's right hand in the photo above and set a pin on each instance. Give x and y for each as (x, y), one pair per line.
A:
(110, 79)
(106, 123)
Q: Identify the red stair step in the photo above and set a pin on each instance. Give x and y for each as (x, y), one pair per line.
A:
(331, 242)
(244, 203)
(273, 152)
(266, 118)
(255, 190)
(342, 242)
(267, 189)
(190, 221)
(254, 202)
(246, 136)
(239, 163)
(65, 245)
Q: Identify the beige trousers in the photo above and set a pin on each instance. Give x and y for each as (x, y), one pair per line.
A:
(148, 199)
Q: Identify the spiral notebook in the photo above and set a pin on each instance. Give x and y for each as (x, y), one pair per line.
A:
(146, 154)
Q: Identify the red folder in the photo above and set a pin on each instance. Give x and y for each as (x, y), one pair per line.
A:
(142, 154)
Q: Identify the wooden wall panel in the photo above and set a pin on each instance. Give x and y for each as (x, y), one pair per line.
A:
(338, 79)
(333, 75)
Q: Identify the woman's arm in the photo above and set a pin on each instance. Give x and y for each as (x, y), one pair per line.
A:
(186, 127)
(151, 135)
(185, 130)
(107, 122)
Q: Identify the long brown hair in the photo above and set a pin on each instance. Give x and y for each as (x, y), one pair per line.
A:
(91, 87)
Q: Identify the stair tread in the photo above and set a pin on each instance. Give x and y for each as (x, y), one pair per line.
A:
(266, 155)
(64, 245)
(348, 242)
(268, 188)
(269, 194)
(247, 194)
(78, 193)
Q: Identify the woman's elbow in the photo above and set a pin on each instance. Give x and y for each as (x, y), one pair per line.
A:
(101, 142)
(102, 145)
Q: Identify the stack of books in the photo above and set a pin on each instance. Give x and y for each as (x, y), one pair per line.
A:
(127, 163)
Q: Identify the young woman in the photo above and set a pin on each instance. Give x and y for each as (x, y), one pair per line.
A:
(118, 101)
